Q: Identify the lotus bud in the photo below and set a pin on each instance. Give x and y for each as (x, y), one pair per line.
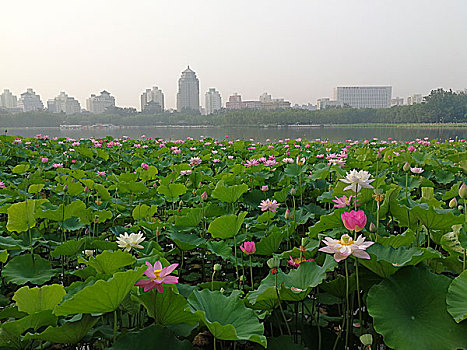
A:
(86, 189)
(217, 267)
(242, 278)
(378, 156)
(453, 203)
(463, 191)
(88, 253)
(372, 227)
(274, 262)
(460, 207)
(180, 203)
(406, 166)
(366, 339)
(293, 191)
(204, 196)
(222, 290)
(200, 184)
(303, 241)
(288, 214)
(65, 188)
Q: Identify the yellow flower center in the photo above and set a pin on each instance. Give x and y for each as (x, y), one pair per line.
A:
(346, 240)
(157, 273)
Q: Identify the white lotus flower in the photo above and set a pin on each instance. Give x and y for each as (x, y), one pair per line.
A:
(357, 180)
(126, 242)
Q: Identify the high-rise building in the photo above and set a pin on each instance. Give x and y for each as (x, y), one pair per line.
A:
(99, 104)
(364, 96)
(188, 91)
(397, 101)
(8, 100)
(154, 95)
(213, 101)
(414, 99)
(327, 103)
(30, 102)
(64, 104)
(265, 102)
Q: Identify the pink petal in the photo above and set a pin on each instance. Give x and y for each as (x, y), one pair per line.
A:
(168, 270)
(339, 257)
(169, 280)
(147, 284)
(360, 254)
(158, 265)
(160, 288)
(327, 250)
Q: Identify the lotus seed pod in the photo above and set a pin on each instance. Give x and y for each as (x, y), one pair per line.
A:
(463, 191)
(366, 339)
(406, 166)
(217, 267)
(274, 262)
(453, 203)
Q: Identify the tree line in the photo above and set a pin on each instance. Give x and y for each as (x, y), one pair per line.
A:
(440, 106)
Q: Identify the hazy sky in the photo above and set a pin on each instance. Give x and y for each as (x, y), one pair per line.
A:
(297, 49)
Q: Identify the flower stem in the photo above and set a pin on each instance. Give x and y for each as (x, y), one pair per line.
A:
(251, 275)
(235, 253)
(280, 306)
(115, 325)
(358, 293)
(347, 312)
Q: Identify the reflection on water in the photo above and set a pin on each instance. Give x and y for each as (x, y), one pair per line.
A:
(258, 134)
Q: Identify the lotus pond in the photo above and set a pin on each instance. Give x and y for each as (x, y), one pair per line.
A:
(222, 244)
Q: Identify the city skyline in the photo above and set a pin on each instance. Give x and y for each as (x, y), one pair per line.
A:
(300, 51)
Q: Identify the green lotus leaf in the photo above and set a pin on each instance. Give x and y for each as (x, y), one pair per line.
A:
(24, 268)
(192, 218)
(172, 192)
(20, 168)
(102, 296)
(32, 300)
(457, 297)
(413, 302)
(185, 241)
(143, 211)
(166, 308)
(269, 244)
(150, 338)
(228, 194)
(3, 256)
(35, 188)
(109, 262)
(103, 192)
(309, 274)
(33, 321)
(294, 170)
(69, 247)
(221, 249)
(21, 215)
(226, 226)
(326, 222)
(68, 333)
(437, 219)
(451, 243)
(227, 318)
(396, 241)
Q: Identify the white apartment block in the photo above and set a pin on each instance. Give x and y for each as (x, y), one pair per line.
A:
(213, 101)
(152, 95)
(30, 102)
(364, 96)
(8, 100)
(64, 104)
(99, 104)
(414, 99)
(397, 101)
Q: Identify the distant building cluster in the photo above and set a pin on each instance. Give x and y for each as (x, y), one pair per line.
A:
(188, 100)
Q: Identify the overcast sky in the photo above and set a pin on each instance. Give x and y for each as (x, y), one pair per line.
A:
(297, 49)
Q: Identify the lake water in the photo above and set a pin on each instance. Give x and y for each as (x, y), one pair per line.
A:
(256, 133)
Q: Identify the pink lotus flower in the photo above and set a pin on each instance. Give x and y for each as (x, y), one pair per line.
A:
(2, 184)
(268, 205)
(346, 246)
(341, 202)
(44, 160)
(144, 166)
(264, 188)
(295, 262)
(354, 221)
(157, 275)
(57, 165)
(251, 162)
(248, 247)
(416, 170)
(411, 148)
(101, 173)
(195, 161)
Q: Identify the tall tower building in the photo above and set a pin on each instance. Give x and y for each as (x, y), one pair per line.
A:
(8, 100)
(364, 96)
(213, 101)
(188, 91)
(30, 102)
(155, 95)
